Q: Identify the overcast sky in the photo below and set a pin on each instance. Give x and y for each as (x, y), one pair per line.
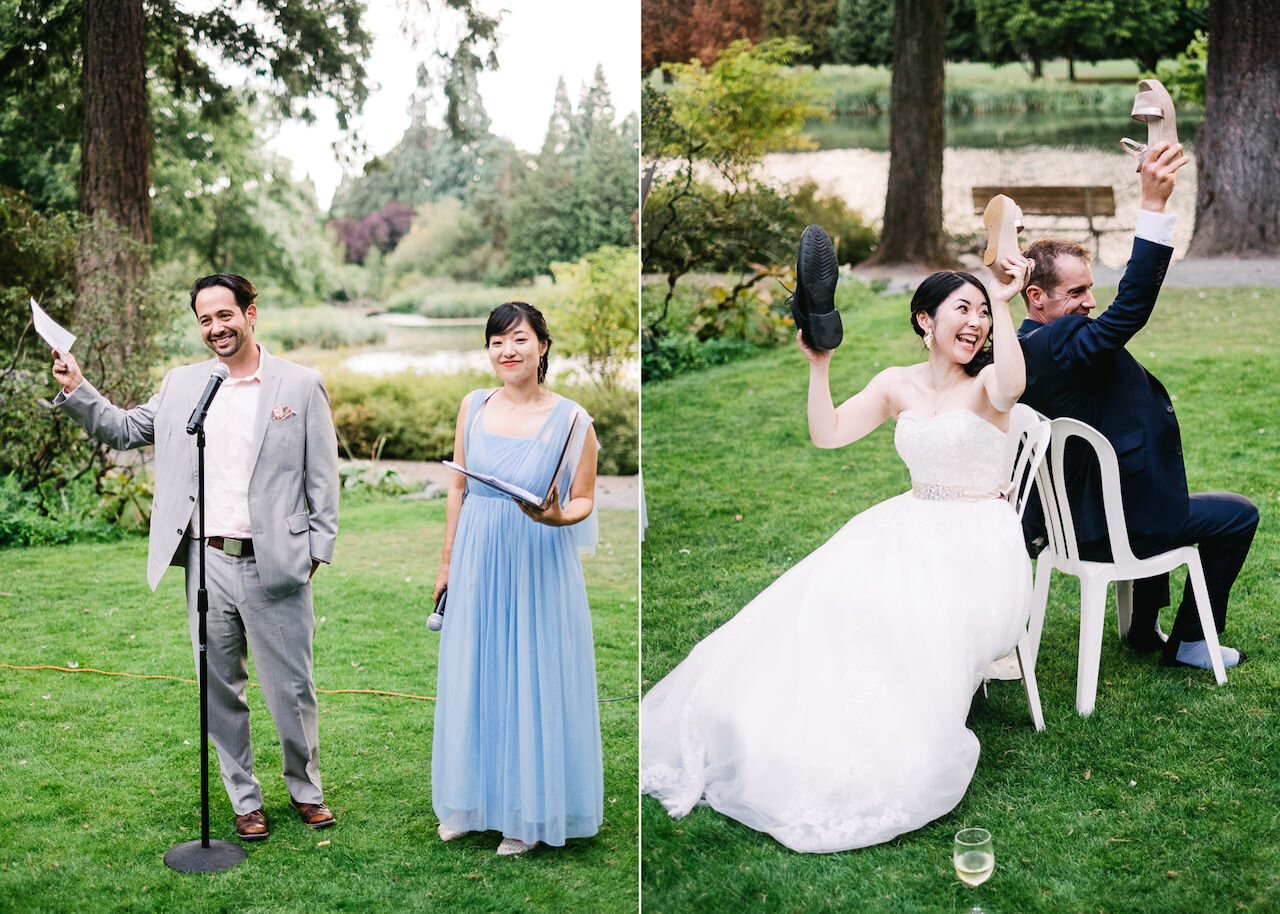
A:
(541, 41)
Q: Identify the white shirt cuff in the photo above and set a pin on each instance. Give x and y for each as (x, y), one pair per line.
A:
(1155, 227)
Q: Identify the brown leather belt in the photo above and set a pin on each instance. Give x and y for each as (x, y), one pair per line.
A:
(239, 548)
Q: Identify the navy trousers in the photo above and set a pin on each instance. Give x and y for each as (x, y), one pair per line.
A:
(1222, 525)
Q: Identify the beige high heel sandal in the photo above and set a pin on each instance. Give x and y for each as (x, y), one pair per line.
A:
(1003, 220)
(1154, 105)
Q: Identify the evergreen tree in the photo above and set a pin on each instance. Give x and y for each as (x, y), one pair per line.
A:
(580, 191)
(810, 21)
(863, 32)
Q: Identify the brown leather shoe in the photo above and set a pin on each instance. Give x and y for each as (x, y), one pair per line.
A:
(252, 826)
(315, 815)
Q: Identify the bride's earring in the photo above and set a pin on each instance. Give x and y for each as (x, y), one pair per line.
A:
(928, 339)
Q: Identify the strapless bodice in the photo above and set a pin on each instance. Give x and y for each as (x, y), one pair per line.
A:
(957, 449)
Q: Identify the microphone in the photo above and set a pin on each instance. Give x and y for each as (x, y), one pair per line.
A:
(435, 621)
(216, 378)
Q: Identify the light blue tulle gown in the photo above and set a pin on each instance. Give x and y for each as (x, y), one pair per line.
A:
(516, 745)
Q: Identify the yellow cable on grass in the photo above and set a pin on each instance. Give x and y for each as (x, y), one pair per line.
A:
(64, 669)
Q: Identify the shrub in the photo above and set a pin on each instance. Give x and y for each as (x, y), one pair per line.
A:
(118, 328)
(854, 240)
(617, 422)
(407, 416)
(676, 353)
(28, 519)
(593, 307)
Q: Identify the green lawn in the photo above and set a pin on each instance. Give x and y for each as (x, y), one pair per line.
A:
(1164, 800)
(99, 775)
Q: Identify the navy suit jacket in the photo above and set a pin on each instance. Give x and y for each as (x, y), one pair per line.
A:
(1078, 366)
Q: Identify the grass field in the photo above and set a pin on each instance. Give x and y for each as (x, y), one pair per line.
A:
(99, 775)
(1164, 800)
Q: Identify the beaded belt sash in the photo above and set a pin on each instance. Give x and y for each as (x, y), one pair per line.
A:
(931, 491)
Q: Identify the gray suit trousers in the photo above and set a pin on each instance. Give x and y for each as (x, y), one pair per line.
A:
(279, 632)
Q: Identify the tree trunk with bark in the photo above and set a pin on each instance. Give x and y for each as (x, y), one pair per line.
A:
(1238, 148)
(913, 203)
(115, 167)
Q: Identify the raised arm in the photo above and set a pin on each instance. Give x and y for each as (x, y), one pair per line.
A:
(1136, 296)
(120, 428)
(1006, 378)
(832, 427)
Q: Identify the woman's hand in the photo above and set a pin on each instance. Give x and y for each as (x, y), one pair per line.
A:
(551, 515)
(1018, 269)
(814, 356)
(442, 581)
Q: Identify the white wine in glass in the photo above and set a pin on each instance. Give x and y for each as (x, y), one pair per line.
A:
(973, 855)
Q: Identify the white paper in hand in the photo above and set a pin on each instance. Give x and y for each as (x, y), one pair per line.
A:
(53, 333)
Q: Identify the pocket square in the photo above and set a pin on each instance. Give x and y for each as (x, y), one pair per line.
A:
(281, 412)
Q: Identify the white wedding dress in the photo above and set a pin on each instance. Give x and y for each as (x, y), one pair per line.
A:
(830, 712)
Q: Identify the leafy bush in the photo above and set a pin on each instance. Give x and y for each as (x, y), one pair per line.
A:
(676, 353)
(697, 226)
(407, 417)
(593, 305)
(399, 416)
(753, 309)
(29, 519)
(118, 327)
(445, 239)
(364, 479)
(1185, 77)
(617, 422)
(854, 240)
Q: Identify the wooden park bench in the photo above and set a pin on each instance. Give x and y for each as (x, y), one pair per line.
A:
(1069, 200)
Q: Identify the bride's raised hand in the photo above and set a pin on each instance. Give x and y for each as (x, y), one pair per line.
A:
(1018, 269)
(815, 356)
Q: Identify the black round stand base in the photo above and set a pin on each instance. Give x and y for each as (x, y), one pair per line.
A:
(192, 857)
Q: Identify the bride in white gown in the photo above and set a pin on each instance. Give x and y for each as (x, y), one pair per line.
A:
(830, 711)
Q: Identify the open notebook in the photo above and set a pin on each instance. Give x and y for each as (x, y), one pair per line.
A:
(517, 492)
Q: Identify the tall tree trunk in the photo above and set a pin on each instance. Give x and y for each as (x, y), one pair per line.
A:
(1238, 169)
(913, 204)
(114, 167)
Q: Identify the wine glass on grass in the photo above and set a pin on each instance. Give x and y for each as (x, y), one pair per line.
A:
(974, 857)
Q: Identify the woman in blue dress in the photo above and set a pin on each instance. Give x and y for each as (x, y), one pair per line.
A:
(516, 744)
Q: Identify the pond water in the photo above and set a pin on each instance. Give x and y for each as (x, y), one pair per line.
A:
(448, 346)
(998, 131)
(423, 345)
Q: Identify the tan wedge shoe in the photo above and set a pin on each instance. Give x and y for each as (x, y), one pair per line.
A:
(1154, 105)
(1003, 220)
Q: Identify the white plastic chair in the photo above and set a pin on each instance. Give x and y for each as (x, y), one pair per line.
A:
(1063, 553)
(1025, 449)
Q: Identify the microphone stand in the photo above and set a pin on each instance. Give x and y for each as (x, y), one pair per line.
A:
(203, 856)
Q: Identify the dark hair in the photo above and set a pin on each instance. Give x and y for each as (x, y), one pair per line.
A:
(1044, 255)
(933, 292)
(245, 292)
(508, 315)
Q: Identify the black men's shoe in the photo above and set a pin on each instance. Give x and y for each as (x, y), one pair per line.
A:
(814, 305)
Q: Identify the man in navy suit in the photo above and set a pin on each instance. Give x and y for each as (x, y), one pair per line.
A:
(1078, 366)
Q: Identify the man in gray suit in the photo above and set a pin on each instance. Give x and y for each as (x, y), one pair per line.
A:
(271, 517)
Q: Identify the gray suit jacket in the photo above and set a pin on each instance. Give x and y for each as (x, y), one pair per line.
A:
(293, 489)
